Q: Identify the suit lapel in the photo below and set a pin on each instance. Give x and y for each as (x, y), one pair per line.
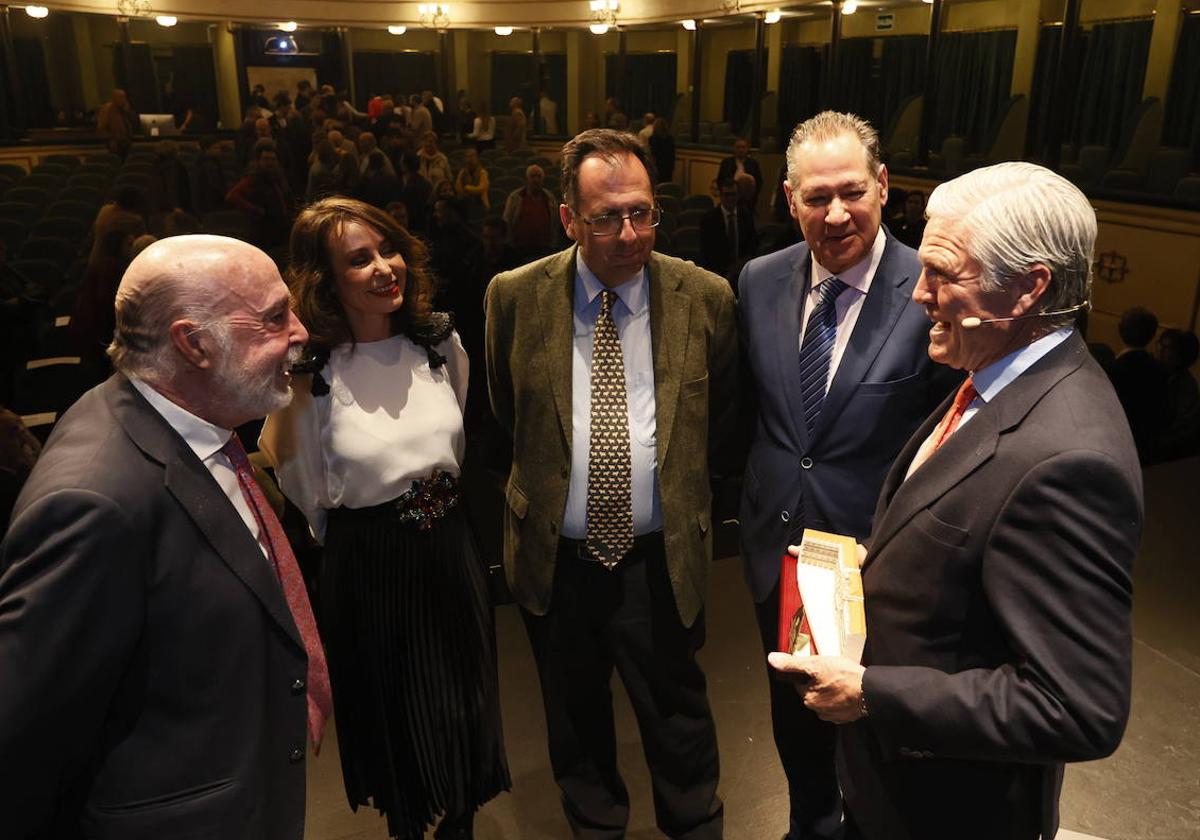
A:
(555, 298)
(790, 295)
(972, 445)
(202, 499)
(670, 320)
(887, 298)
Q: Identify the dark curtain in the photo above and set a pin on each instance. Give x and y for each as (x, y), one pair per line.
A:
(739, 78)
(139, 79)
(1181, 120)
(901, 74)
(1041, 98)
(514, 74)
(853, 89)
(799, 85)
(394, 73)
(193, 81)
(649, 83)
(1110, 82)
(35, 85)
(972, 82)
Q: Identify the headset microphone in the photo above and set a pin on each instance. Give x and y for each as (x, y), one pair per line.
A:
(971, 322)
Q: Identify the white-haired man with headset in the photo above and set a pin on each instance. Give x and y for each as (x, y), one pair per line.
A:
(998, 576)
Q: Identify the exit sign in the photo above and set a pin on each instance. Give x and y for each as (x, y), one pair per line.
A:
(884, 21)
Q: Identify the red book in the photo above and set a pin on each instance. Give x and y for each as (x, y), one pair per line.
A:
(794, 633)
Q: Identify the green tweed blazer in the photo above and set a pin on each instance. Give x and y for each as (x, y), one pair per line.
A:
(530, 326)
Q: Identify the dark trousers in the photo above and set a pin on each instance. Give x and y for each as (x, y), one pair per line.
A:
(806, 746)
(625, 618)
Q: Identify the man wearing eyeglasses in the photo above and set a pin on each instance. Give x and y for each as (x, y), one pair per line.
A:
(614, 370)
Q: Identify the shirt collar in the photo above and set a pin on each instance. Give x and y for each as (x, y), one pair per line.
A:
(859, 275)
(991, 380)
(202, 437)
(634, 293)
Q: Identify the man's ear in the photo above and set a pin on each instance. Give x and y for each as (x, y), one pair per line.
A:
(568, 221)
(188, 340)
(1030, 287)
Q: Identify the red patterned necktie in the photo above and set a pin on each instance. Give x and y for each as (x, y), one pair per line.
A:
(279, 551)
(966, 393)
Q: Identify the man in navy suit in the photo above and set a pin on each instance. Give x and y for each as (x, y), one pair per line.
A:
(838, 355)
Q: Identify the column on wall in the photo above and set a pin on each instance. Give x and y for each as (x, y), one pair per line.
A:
(574, 115)
(462, 73)
(85, 60)
(1164, 37)
(1025, 60)
(225, 65)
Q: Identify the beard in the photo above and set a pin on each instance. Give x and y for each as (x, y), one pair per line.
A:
(254, 391)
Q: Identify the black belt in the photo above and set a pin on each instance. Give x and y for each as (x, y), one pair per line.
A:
(642, 545)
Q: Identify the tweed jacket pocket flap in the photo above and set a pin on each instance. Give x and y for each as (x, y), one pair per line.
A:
(518, 502)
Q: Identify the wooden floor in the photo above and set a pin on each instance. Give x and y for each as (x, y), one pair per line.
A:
(1148, 790)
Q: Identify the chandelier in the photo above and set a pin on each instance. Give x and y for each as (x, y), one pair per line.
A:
(434, 15)
(134, 8)
(604, 15)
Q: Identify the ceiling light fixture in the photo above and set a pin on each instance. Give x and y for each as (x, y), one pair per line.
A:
(504, 30)
(288, 26)
(37, 11)
(598, 28)
(604, 15)
(850, 7)
(166, 20)
(689, 25)
(397, 29)
(772, 17)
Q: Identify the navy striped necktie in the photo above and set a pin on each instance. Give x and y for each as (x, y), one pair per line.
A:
(816, 350)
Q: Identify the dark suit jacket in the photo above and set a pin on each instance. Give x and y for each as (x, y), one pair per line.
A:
(716, 252)
(884, 387)
(998, 590)
(147, 652)
(530, 341)
(729, 166)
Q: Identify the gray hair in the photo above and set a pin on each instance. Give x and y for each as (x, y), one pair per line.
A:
(141, 344)
(1018, 215)
(826, 126)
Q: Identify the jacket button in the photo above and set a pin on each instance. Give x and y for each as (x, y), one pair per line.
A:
(296, 755)
(298, 686)
(785, 516)
(806, 462)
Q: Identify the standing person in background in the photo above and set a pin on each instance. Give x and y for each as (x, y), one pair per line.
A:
(613, 369)
(743, 169)
(415, 192)
(405, 607)
(1140, 381)
(264, 194)
(647, 126)
(662, 147)
(727, 235)
(547, 113)
(483, 131)
(435, 166)
(420, 122)
(125, 214)
(530, 214)
(471, 185)
(116, 123)
(517, 127)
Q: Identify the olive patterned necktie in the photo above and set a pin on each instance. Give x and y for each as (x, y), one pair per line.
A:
(609, 494)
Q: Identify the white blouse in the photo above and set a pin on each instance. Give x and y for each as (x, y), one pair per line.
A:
(388, 419)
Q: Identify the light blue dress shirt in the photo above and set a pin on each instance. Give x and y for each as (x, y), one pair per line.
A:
(991, 380)
(631, 315)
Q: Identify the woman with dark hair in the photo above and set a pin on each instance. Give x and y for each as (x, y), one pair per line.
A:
(370, 450)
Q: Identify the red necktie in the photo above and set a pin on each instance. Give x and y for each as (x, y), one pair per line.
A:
(966, 393)
(320, 700)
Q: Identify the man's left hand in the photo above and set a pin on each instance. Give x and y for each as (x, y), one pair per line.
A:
(831, 685)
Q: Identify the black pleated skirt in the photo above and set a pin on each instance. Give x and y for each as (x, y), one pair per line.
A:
(410, 639)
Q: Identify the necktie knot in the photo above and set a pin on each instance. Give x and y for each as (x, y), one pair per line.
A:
(962, 399)
(607, 299)
(828, 291)
(236, 453)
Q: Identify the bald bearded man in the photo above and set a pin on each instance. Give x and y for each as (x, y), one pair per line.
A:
(154, 678)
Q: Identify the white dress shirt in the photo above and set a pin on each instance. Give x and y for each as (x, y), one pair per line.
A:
(206, 440)
(849, 303)
(631, 315)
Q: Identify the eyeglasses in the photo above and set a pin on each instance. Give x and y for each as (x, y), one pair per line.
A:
(611, 223)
